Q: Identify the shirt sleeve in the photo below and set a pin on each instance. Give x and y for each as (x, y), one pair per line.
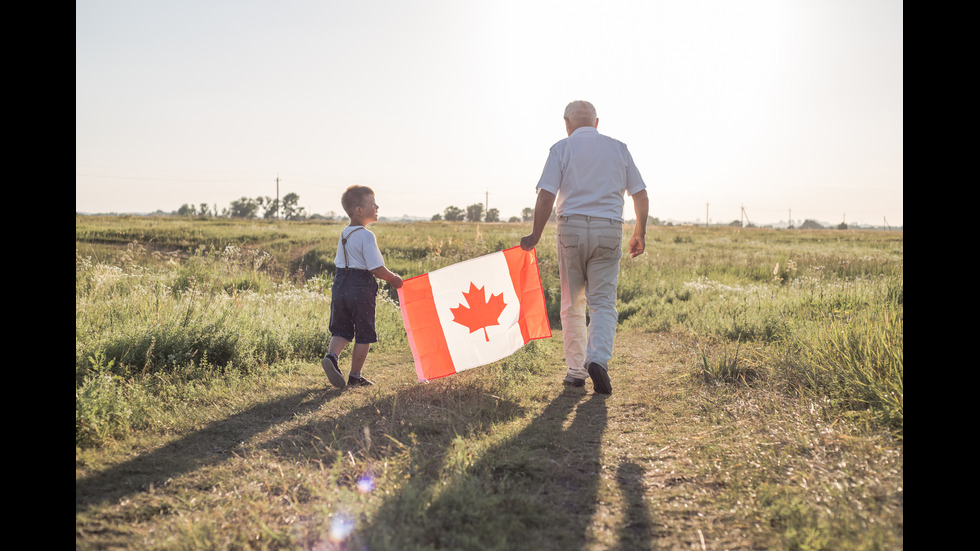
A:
(634, 182)
(372, 254)
(551, 176)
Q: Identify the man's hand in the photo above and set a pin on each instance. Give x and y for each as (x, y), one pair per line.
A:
(637, 245)
(542, 210)
(529, 241)
(638, 242)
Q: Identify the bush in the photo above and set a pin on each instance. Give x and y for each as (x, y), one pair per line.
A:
(107, 407)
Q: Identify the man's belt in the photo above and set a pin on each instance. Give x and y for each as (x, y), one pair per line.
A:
(583, 217)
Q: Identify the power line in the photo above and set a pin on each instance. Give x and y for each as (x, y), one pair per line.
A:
(163, 179)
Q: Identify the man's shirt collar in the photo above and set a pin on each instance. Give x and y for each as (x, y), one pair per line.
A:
(584, 130)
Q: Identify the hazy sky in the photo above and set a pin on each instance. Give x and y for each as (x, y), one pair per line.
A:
(783, 107)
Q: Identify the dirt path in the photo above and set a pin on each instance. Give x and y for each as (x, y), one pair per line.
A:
(650, 494)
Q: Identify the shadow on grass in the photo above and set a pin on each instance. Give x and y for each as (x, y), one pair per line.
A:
(208, 446)
(535, 490)
(637, 530)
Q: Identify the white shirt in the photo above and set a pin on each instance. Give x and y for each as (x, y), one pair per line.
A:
(362, 249)
(589, 173)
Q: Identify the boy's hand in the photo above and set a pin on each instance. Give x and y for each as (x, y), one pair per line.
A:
(385, 274)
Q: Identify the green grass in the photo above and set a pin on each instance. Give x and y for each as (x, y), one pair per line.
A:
(758, 398)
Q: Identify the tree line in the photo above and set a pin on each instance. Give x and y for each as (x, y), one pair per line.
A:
(474, 213)
(247, 207)
(288, 209)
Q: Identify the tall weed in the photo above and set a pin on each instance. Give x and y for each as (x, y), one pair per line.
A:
(857, 362)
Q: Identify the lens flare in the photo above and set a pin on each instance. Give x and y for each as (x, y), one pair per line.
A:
(366, 483)
(341, 527)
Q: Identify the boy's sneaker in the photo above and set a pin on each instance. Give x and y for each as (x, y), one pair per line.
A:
(358, 381)
(600, 378)
(329, 365)
(573, 382)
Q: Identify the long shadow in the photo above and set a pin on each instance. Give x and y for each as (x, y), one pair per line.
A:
(422, 420)
(534, 490)
(208, 446)
(638, 530)
(546, 474)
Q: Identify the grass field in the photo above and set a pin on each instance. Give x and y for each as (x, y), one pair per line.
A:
(757, 403)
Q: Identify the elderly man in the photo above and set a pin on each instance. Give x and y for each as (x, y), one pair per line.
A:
(588, 173)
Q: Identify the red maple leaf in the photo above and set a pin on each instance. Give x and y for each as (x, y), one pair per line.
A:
(480, 313)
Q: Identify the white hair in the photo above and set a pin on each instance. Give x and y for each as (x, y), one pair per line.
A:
(580, 113)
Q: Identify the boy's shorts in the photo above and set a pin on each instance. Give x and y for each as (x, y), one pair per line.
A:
(352, 306)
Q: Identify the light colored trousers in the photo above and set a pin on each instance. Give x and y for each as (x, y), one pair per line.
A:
(589, 250)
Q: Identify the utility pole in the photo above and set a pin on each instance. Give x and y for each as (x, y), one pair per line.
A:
(706, 223)
(277, 196)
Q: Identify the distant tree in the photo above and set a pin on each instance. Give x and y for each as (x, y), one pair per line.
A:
(203, 209)
(436, 217)
(493, 215)
(453, 214)
(810, 225)
(514, 219)
(842, 226)
(291, 209)
(527, 214)
(474, 212)
(243, 208)
(271, 207)
(186, 210)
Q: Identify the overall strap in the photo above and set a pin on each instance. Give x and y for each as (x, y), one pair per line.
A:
(343, 243)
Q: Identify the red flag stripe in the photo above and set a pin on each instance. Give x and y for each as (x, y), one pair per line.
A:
(523, 266)
(425, 335)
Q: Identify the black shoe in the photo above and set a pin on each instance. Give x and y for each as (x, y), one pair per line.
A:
(600, 379)
(573, 382)
(358, 381)
(329, 365)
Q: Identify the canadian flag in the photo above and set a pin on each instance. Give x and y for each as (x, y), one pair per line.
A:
(474, 312)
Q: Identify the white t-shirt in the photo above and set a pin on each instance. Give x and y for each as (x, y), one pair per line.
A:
(362, 249)
(589, 173)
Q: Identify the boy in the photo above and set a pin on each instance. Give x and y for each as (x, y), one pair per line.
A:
(355, 288)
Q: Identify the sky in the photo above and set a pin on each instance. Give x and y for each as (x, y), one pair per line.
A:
(757, 110)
